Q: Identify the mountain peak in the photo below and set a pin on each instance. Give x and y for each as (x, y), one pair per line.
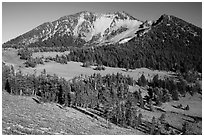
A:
(123, 15)
(94, 28)
(88, 26)
(83, 13)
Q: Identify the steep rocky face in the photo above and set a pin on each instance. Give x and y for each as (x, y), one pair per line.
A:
(88, 26)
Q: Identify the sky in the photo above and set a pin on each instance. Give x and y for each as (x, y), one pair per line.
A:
(21, 17)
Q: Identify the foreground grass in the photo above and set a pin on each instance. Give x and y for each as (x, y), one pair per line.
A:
(22, 115)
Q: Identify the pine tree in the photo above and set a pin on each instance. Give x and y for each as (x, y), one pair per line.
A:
(133, 119)
(128, 112)
(21, 87)
(187, 107)
(7, 86)
(60, 95)
(122, 114)
(175, 95)
(142, 81)
(5, 74)
(156, 81)
(184, 128)
(162, 118)
(141, 100)
(166, 96)
(152, 128)
(150, 92)
(140, 119)
(151, 105)
(12, 70)
(135, 122)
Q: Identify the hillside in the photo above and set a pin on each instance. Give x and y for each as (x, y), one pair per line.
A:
(22, 115)
(10, 57)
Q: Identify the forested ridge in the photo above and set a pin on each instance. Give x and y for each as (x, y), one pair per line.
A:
(170, 44)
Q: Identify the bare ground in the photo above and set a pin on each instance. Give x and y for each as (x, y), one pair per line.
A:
(10, 57)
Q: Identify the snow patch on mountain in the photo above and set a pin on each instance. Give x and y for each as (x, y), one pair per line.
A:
(101, 24)
(80, 21)
(125, 40)
(126, 34)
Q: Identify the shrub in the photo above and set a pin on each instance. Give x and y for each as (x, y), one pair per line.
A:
(99, 67)
(86, 64)
(162, 118)
(142, 81)
(140, 119)
(187, 107)
(152, 128)
(175, 95)
(30, 63)
(24, 53)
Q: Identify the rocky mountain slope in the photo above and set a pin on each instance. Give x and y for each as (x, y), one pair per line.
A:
(90, 27)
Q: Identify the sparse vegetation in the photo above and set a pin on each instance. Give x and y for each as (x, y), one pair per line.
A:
(32, 62)
(86, 64)
(24, 53)
(99, 67)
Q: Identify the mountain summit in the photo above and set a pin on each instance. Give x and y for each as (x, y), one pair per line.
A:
(92, 28)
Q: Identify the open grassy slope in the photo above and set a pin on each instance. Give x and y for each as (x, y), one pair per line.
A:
(72, 69)
(10, 57)
(176, 116)
(22, 115)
